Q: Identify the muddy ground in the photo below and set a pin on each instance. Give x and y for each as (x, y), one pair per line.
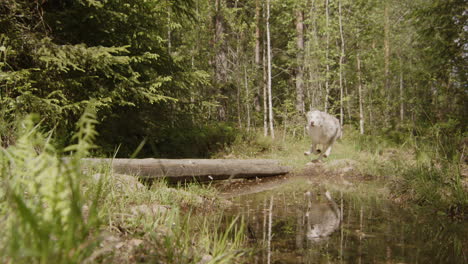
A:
(338, 172)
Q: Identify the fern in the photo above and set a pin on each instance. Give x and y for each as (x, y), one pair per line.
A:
(42, 198)
(86, 133)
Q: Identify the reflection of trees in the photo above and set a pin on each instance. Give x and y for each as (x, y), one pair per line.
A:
(379, 232)
(309, 220)
(270, 220)
(302, 227)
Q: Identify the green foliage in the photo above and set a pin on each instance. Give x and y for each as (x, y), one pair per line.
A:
(437, 186)
(53, 212)
(86, 134)
(177, 245)
(180, 137)
(57, 68)
(422, 170)
(42, 199)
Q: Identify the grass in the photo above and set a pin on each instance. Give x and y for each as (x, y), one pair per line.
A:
(255, 145)
(53, 212)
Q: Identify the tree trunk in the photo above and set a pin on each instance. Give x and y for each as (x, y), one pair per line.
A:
(316, 98)
(258, 76)
(361, 110)
(238, 67)
(239, 118)
(327, 52)
(341, 63)
(257, 32)
(270, 103)
(370, 107)
(402, 104)
(348, 104)
(186, 170)
(247, 96)
(387, 48)
(169, 33)
(387, 62)
(220, 55)
(300, 60)
(265, 94)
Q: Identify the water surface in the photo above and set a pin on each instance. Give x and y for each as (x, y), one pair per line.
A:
(296, 223)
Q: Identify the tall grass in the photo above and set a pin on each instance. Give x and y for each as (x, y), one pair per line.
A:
(420, 168)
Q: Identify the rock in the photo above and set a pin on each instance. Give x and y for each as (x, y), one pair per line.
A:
(184, 195)
(135, 242)
(110, 240)
(464, 177)
(342, 166)
(149, 210)
(122, 182)
(347, 169)
(205, 259)
(85, 212)
(314, 162)
(345, 182)
(342, 163)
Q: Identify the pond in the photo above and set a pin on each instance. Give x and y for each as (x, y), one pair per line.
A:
(294, 221)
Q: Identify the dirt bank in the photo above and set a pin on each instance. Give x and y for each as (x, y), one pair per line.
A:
(342, 173)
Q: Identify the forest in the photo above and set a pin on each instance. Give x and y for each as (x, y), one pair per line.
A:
(196, 78)
(189, 72)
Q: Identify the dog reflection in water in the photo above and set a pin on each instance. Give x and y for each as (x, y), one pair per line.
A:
(322, 219)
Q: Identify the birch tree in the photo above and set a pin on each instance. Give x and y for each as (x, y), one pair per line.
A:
(402, 104)
(265, 87)
(361, 109)
(327, 54)
(300, 59)
(342, 55)
(220, 61)
(270, 103)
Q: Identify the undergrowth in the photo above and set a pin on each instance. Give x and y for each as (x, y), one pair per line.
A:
(41, 199)
(52, 210)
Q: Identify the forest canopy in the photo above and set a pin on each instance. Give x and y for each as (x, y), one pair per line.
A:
(182, 76)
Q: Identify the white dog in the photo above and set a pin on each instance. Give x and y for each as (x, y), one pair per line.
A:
(324, 130)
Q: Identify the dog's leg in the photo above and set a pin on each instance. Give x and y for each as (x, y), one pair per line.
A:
(324, 153)
(327, 151)
(313, 150)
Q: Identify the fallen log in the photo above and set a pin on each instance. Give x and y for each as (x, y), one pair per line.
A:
(187, 170)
